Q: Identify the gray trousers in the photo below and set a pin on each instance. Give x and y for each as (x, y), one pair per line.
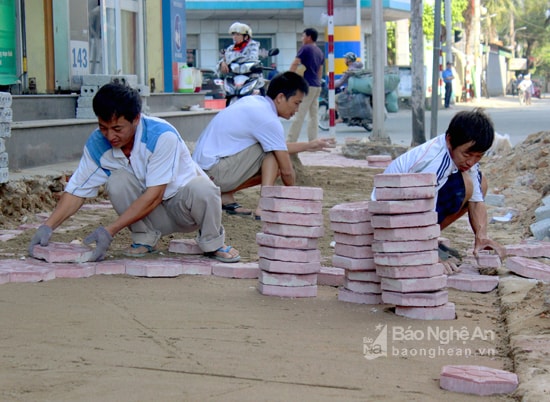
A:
(196, 205)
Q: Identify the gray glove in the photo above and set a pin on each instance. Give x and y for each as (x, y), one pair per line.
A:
(42, 237)
(103, 240)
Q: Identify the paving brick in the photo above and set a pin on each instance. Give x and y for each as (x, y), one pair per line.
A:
(290, 218)
(349, 296)
(312, 232)
(153, 268)
(404, 179)
(331, 276)
(402, 206)
(410, 258)
(197, 265)
(444, 312)
(404, 246)
(279, 279)
(116, 267)
(62, 252)
(5, 277)
(424, 299)
(287, 291)
(300, 243)
(487, 259)
(353, 240)
(288, 205)
(402, 234)
(293, 192)
(362, 287)
(404, 193)
(289, 267)
(408, 285)
(71, 270)
(96, 206)
(288, 254)
(379, 158)
(472, 283)
(9, 234)
(184, 246)
(27, 226)
(353, 264)
(477, 380)
(238, 270)
(27, 270)
(378, 164)
(364, 276)
(412, 271)
(404, 220)
(346, 250)
(359, 228)
(528, 268)
(533, 249)
(350, 212)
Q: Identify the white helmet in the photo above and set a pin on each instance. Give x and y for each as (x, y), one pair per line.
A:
(240, 28)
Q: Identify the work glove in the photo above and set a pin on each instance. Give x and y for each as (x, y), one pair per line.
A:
(42, 237)
(103, 240)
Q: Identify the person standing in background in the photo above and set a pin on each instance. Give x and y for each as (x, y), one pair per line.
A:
(312, 58)
(448, 78)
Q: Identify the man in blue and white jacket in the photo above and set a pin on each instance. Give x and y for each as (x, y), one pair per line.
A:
(150, 178)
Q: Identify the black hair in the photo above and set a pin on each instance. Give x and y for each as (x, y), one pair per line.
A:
(115, 100)
(312, 33)
(287, 83)
(471, 126)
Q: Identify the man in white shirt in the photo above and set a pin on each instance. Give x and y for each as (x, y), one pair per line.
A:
(454, 158)
(244, 144)
(153, 183)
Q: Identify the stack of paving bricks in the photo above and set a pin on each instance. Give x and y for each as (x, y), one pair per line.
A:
(90, 86)
(5, 132)
(406, 246)
(353, 236)
(289, 257)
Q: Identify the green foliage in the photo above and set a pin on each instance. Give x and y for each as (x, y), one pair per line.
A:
(457, 10)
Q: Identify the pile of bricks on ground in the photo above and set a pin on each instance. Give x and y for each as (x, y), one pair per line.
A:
(289, 257)
(541, 227)
(5, 132)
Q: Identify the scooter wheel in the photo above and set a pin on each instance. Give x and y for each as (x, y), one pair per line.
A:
(324, 117)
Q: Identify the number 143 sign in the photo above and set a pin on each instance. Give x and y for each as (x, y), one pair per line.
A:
(80, 63)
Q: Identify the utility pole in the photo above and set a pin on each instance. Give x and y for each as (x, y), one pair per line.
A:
(418, 87)
(436, 101)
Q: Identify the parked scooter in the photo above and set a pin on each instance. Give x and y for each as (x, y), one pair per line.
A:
(245, 78)
(354, 108)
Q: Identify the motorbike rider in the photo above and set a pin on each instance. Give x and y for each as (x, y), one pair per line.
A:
(353, 65)
(243, 47)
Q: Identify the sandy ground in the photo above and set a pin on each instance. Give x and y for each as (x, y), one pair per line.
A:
(191, 338)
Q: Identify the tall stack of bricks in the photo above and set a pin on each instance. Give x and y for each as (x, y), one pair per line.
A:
(5, 132)
(289, 257)
(353, 236)
(406, 246)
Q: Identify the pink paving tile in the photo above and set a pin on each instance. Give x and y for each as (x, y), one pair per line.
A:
(287, 291)
(184, 246)
(353, 240)
(333, 158)
(378, 164)
(403, 234)
(488, 259)
(290, 218)
(533, 249)
(153, 268)
(364, 276)
(379, 246)
(278, 279)
(413, 271)
(362, 287)
(477, 380)
(27, 270)
(404, 220)
(330, 276)
(349, 296)
(404, 180)
(444, 312)
(472, 283)
(71, 270)
(409, 258)
(350, 212)
(95, 207)
(293, 192)
(112, 267)
(4, 277)
(286, 267)
(313, 232)
(359, 228)
(404, 193)
(414, 284)
(353, 264)
(63, 252)
(402, 206)
(27, 226)
(238, 270)
(294, 206)
(528, 268)
(300, 243)
(288, 254)
(346, 250)
(379, 158)
(198, 265)
(6, 235)
(425, 299)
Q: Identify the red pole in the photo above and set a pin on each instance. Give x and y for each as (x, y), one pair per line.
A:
(331, 92)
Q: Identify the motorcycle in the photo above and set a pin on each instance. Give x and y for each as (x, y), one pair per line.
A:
(245, 78)
(354, 108)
